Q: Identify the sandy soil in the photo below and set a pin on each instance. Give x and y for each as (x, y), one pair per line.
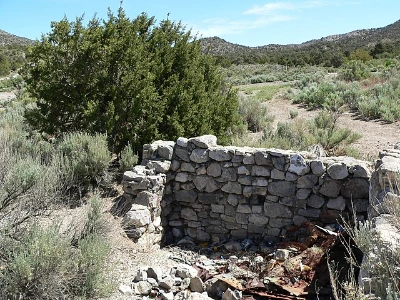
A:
(376, 135)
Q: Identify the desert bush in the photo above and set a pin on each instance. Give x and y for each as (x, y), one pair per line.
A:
(42, 263)
(354, 70)
(254, 113)
(86, 157)
(293, 113)
(128, 159)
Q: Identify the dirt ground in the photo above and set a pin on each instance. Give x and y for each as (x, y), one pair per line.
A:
(376, 135)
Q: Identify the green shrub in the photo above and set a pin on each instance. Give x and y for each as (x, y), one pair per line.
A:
(254, 113)
(86, 156)
(128, 159)
(354, 70)
(42, 264)
(293, 113)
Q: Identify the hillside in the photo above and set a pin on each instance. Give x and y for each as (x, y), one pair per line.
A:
(310, 52)
(11, 39)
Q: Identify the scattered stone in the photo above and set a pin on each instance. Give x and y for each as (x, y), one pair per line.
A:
(196, 285)
(143, 288)
(141, 275)
(155, 272)
(282, 254)
(166, 282)
(233, 246)
(125, 289)
(232, 295)
(185, 271)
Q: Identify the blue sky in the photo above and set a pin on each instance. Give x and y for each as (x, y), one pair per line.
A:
(246, 22)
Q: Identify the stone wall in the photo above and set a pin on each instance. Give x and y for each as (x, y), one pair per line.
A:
(212, 193)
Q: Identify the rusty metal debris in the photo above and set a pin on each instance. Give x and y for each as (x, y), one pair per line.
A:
(296, 273)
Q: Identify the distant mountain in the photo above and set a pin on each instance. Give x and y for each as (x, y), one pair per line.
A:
(11, 39)
(340, 43)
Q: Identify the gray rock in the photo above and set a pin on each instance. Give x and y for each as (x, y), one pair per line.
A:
(215, 287)
(182, 177)
(248, 159)
(134, 233)
(356, 188)
(153, 282)
(330, 188)
(214, 170)
(232, 188)
(165, 150)
(143, 288)
(185, 271)
(204, 141)
(242, 218)
(185, 283)
(189, 214)
(298, 220)
(125, 289)
(303, 194)
(291, 176)
(159, 166)
(245, 180)
(148, 199)
(260, 171)
(242, 170)
(280, 222)
(293, 202)
(155, 272)
(228, 174)
(282, 188)
(279, 162)
(317, 167)
(182, 153)
(196, 285)
(232, 295)
(220, 154)
(187, 167)
(141, 274)
(185, 196)
(277, 174)
(338, 203)
(337, 171)
(137, 216)
(274, 210)
(307, 181)
(233, 246)
(199, 155)
(166, 282)
(233, 199)
(298, 165)
(216, 208)
(258, 219)
(244, 209)
(260, 182)
(262, 159)
(360, 169)
(315, 201)
(309, 212)
(182, 142)
(175, 165)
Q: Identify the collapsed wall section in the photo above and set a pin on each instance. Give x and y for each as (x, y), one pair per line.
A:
(212, 192)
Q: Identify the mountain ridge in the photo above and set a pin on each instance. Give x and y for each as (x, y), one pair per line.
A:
(7, 39)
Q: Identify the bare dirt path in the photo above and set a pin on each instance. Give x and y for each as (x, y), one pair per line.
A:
(376, 135)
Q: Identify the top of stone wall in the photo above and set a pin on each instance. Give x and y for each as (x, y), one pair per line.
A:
(205, 148)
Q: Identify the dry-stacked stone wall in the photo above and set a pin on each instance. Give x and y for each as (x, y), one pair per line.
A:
(212, 192)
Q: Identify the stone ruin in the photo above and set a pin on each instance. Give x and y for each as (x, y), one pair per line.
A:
(208, 192)
(195, 189)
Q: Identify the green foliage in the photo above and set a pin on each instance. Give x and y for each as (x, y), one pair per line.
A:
(255, 114)
(128, 159)
(132, 79)
(361, 55)
(264, 92)
(42, 264)
(293, 113)
(86, 157)
(354, 70)
(299, 134)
